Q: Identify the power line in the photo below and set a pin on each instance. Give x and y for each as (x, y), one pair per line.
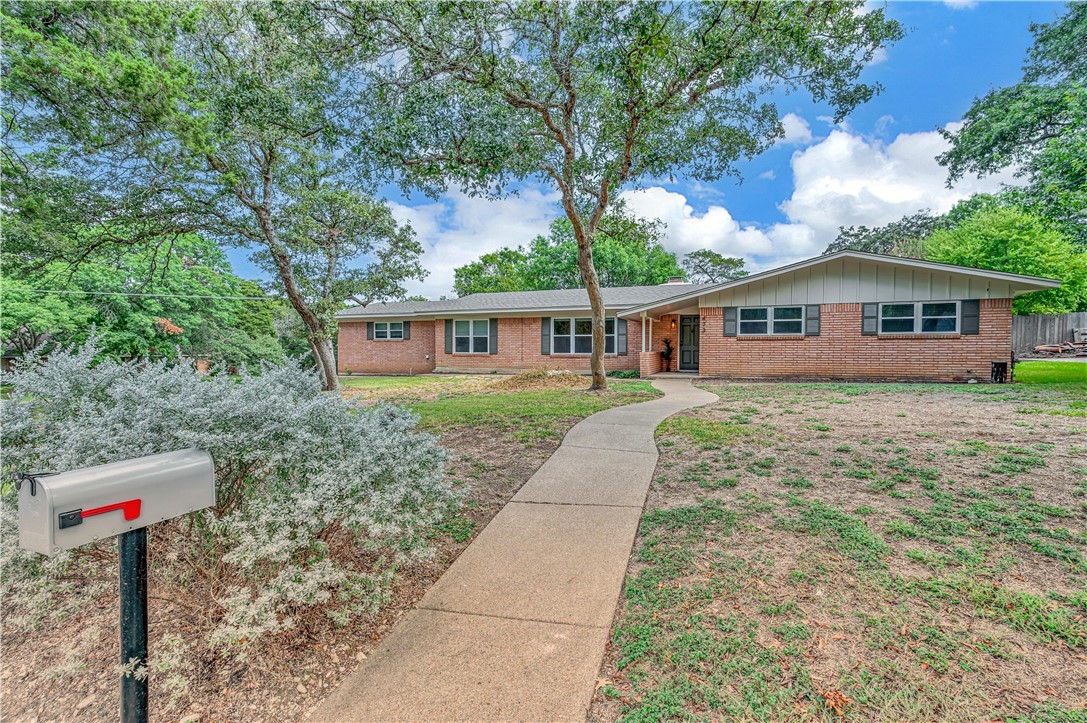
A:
(132, 293)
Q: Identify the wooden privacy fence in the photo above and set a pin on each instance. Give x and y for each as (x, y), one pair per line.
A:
(1030, 331)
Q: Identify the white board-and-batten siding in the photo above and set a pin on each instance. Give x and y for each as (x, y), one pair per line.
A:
(843, 281)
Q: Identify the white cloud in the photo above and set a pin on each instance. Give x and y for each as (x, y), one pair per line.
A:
(961, 4)
(797, 130)
(846, 179)
(841, 180)
(459, 228)
(768, 175)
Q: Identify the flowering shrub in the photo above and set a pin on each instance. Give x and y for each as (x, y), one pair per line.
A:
(318, 498)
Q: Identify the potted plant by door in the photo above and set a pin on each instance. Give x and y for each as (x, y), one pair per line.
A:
(666, 354)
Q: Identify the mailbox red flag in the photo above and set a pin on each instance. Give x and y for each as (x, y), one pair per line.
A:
(130, 509)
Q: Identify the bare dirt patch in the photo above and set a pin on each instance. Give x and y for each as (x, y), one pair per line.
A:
(542, 379)
(860, 551)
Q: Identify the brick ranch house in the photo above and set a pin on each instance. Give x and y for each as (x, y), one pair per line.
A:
(849, 315)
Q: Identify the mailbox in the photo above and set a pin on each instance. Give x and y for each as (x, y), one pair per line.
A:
(61, 511)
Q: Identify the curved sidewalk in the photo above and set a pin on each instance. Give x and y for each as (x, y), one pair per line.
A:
(516, 627)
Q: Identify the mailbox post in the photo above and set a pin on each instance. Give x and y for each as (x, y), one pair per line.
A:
(63, 511)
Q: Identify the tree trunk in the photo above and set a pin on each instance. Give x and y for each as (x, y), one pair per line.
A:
(320, 341)
(325, 356)
(596, 301)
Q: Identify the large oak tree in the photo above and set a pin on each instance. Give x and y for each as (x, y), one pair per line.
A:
(593, 97)
(235, 120)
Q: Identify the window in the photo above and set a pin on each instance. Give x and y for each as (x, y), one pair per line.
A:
(471, 336)
(940, 318)
(388, 330)
(771, 320)
(575, 336)
(925, 317)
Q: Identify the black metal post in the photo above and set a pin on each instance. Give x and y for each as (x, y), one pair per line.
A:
(132, 549)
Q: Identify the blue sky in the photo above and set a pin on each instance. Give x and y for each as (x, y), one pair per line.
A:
(873, 168)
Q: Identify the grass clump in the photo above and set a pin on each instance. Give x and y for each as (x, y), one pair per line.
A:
(709, 431)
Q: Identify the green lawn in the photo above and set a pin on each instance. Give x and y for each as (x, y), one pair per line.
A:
(527, 415)
(447, 402)
(1050, 372)
(861, 552)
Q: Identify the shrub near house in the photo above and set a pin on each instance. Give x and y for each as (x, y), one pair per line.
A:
(318, 498)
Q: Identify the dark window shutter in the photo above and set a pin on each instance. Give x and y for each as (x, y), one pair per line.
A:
(621, 336)
(448, 336)
(811, 320)
(730, 313)
(545, 334)
(870, 319)
(370, 331)
(492, 326)
(407, 330)
(971, 317)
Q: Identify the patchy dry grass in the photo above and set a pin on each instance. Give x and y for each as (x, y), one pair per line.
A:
(860, 552)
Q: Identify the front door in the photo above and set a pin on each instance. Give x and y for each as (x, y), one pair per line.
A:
(688, 343)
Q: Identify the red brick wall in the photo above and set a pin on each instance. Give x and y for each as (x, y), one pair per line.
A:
(519, 348)
(649, 362)
(385, 356)
(841, 352)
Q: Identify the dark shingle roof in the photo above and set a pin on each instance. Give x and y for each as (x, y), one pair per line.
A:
(617, 297)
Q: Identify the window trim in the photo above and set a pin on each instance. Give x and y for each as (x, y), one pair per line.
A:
(614, 336)
(770, 320)
(388, 331)
(918, 318)
(472, 336)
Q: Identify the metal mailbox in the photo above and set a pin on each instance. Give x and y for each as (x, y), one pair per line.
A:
(62, 511)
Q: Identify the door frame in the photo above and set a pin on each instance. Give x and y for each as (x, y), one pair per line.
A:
(695, 321)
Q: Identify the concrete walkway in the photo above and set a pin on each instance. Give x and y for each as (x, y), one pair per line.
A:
(516, 627)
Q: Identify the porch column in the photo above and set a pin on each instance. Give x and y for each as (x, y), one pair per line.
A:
(644, 337)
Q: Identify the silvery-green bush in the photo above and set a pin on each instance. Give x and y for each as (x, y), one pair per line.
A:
(318, 498)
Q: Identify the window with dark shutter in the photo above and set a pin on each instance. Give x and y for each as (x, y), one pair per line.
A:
(494, 336)
(448, 336)
(870, 319)
(545, 335)
(811, 320)
(731, 326)
(971, 316)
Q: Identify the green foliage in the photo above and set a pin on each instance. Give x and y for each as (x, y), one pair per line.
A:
(906, 237)
(188, 267)
(709, 267)
(501, 270)
(1018, 242)
(628, 252)
(241, 120)
(898, 238)
(30, 319)
(1038, 125)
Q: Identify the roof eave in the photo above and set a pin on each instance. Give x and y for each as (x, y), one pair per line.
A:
(1040, 282)
(478, 312)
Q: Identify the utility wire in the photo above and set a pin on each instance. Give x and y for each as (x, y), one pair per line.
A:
(131, 293)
